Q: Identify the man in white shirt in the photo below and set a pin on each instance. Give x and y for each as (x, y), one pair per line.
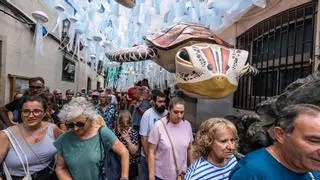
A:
(148, 119)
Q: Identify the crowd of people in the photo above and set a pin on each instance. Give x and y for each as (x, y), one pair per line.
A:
(142, 134)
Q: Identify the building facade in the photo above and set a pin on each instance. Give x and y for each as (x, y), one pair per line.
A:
(60, 68)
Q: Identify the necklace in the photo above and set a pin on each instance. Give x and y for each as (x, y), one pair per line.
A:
(36, 139)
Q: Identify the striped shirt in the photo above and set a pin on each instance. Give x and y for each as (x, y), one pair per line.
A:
(202, 169)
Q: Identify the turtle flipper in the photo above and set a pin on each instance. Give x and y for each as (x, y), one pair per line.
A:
(136, 53)
(249, 70)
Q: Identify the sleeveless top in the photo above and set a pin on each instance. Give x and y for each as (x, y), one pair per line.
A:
(39, 155)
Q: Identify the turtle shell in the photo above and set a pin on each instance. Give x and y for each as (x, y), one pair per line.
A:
(181, 33)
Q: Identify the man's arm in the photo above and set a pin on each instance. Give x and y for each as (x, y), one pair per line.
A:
(144, 130)
(144, 142)
(4, 116)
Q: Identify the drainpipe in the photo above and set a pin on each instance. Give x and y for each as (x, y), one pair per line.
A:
(317, 37)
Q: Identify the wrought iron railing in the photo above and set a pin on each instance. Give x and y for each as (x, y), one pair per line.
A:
(281, 47)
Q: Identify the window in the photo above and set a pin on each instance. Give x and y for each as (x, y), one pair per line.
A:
(281, 48)
(68, 71)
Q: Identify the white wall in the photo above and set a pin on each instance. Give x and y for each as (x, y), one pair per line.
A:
(18, 53)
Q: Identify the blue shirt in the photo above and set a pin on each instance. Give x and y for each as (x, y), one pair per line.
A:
(110, 115)
(260, 164)
(202, 169)
(136, 115)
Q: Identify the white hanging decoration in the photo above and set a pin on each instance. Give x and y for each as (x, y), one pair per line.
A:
(93, 61)
(71, 32)
(260, 3)
(79, 37)
(86, 58)
(59, 22)
(97, 39)
(89, 43)
(41, 18)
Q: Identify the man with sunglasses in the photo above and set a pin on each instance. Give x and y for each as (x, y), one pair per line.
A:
(36, 87)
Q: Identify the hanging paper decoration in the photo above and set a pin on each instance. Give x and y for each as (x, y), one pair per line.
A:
(119, 26)
(93, 61)
(71, 32)
(79, 37)
(97, 39)
(58, 27)
(40, 18)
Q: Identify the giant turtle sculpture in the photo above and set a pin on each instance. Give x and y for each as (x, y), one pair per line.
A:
(127, 3)
(204, 64)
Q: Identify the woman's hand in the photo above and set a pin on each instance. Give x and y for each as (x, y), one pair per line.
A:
(125, 135)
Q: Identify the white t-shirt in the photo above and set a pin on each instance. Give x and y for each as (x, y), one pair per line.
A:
(147, 121)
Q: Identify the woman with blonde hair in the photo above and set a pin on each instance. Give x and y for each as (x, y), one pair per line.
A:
(130, 138)
(214, 148)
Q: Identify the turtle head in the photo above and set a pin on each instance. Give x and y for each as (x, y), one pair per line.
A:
(209, 70)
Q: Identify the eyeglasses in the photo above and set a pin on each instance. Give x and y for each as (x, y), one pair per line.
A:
(78, 124)
(27, 112)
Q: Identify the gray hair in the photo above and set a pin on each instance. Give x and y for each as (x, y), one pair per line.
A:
(76, 107)
(288, 115)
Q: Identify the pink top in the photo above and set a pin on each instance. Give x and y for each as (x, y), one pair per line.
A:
(181, 137)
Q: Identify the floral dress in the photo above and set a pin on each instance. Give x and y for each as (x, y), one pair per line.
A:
(135, 139)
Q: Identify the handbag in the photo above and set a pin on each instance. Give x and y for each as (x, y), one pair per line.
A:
(110, 166)
(17, 148)
(180, 176)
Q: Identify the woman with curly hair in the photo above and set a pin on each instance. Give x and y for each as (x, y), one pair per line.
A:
(80, 150)
(214, 148)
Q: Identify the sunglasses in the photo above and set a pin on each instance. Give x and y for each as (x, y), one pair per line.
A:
(78, 124)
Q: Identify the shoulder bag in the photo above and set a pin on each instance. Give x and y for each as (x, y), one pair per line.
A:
(180, 176)
(110, 166)
(17, 148)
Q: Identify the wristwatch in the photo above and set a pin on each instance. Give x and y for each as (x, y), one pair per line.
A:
(123, 178)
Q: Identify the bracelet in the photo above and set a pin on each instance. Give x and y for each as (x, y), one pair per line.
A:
(123, 178)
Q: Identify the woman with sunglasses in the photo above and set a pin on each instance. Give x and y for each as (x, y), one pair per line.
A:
(27, 148)
(170, 144)
(80, 154)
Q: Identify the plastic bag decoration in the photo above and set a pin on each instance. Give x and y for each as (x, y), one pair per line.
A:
(41, 18)
(71, 32)
(97, 39)
(165, 46)
(127, 3)
(79, 37)
(93, 61)
(58, 27)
